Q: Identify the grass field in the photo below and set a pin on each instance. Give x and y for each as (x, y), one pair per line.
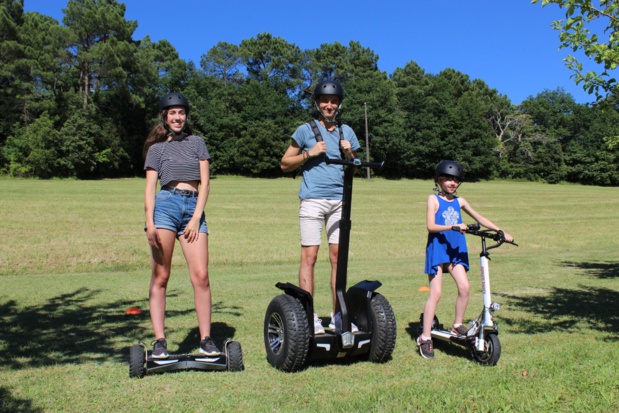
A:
(73, 257)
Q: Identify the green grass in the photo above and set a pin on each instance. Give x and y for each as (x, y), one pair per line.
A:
(73, 257)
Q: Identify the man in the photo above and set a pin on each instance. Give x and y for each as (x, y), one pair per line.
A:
(322, 185)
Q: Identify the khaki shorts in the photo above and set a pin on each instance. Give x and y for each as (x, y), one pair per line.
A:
(313, 214)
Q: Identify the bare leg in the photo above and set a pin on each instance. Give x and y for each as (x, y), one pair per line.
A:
(458, 272)
(306, 272)
(196, 255)
(333, 251)
(436, 290)
(161, 260)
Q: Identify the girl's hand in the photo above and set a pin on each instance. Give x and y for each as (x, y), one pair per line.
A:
(153, 237)
(508, 237)
(460, 228)
(192, 230)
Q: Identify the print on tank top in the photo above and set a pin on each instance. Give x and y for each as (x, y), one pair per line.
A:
(451, 216)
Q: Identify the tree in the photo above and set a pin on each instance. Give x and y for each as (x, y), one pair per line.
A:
(101, 40)
(223, 61)
(11, 52)
(274, 61)
(578, 32)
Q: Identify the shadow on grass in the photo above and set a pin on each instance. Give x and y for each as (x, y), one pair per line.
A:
(77, 328)
(9, 404)
(567, 310)
(602, 270)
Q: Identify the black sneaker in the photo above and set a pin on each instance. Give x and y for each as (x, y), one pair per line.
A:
(461, 330)
(208, 347)
(425, 348)
(160, 349)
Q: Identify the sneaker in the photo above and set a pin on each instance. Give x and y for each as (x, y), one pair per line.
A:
(336, 323)
(426, 349)
(208, 347)
(461, 330)
(318, 328)
(160, 349)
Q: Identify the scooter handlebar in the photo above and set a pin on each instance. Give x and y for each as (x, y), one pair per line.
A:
(498, 236)
(356, 162)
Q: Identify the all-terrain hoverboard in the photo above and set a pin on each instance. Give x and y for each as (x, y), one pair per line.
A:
(482, 338)
(140, 363)
(289, 336)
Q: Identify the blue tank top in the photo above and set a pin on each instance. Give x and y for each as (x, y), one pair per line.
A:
(448, 246)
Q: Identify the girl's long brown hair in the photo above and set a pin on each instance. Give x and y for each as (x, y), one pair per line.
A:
(159, 133)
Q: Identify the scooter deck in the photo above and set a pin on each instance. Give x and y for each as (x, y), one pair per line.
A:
(329, 345)
(186, 361)
(449, 336)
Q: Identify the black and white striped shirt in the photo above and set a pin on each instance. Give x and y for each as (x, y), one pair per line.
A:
(177, 159)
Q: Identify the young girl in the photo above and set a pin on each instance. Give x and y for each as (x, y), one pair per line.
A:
(446, 249)
(180, 161)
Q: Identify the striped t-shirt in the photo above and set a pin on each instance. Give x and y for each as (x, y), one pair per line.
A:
(177, 159)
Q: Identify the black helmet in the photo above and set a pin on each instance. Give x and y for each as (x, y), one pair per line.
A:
(173, 99)
(329, 87)
(451, 168)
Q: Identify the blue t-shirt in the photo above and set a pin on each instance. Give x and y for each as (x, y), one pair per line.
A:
(322, 181)
(448, 246)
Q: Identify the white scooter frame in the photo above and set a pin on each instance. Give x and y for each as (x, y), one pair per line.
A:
(482, 337)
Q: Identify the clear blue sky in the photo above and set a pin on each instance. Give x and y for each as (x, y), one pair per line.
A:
(508, 44)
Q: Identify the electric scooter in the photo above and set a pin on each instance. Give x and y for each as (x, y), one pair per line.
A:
(482, 337)
(289, 336)
(140, 363)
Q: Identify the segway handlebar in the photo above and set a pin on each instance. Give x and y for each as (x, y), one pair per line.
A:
(356, 162)
(497, 236)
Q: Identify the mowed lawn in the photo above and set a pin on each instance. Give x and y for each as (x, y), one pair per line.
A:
(74, 257)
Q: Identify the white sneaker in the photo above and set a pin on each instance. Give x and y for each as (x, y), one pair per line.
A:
(318, 328)
(336, 323)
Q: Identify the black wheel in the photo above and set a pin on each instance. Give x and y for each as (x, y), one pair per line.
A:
(136, 361)
(235, 356)
(492, 351)
(384, 329)
(286, 333)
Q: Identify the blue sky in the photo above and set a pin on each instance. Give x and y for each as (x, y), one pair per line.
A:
(508, 44)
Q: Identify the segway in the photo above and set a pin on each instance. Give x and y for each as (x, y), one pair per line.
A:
(140, 363)
(289, 336)
(482, 337)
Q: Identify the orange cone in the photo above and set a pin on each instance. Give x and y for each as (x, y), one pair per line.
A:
(133, 311)
(423, 288)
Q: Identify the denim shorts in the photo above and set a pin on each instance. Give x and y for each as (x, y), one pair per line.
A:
(174, 211)
(313, 214)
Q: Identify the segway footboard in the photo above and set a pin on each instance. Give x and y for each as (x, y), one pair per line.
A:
(140, 364)
(329, 346)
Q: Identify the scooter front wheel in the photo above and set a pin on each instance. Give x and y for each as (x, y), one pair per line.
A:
(491, 353)
(286, 333)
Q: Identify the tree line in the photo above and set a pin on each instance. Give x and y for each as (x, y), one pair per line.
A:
(80, 97)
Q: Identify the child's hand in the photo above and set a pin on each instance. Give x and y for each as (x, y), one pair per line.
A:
(460, 228)
(508, 237)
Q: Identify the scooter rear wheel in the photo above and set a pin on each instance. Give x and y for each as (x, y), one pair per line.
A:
(286, 333)
(137, 358)
(384, 329)
(492, 351)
